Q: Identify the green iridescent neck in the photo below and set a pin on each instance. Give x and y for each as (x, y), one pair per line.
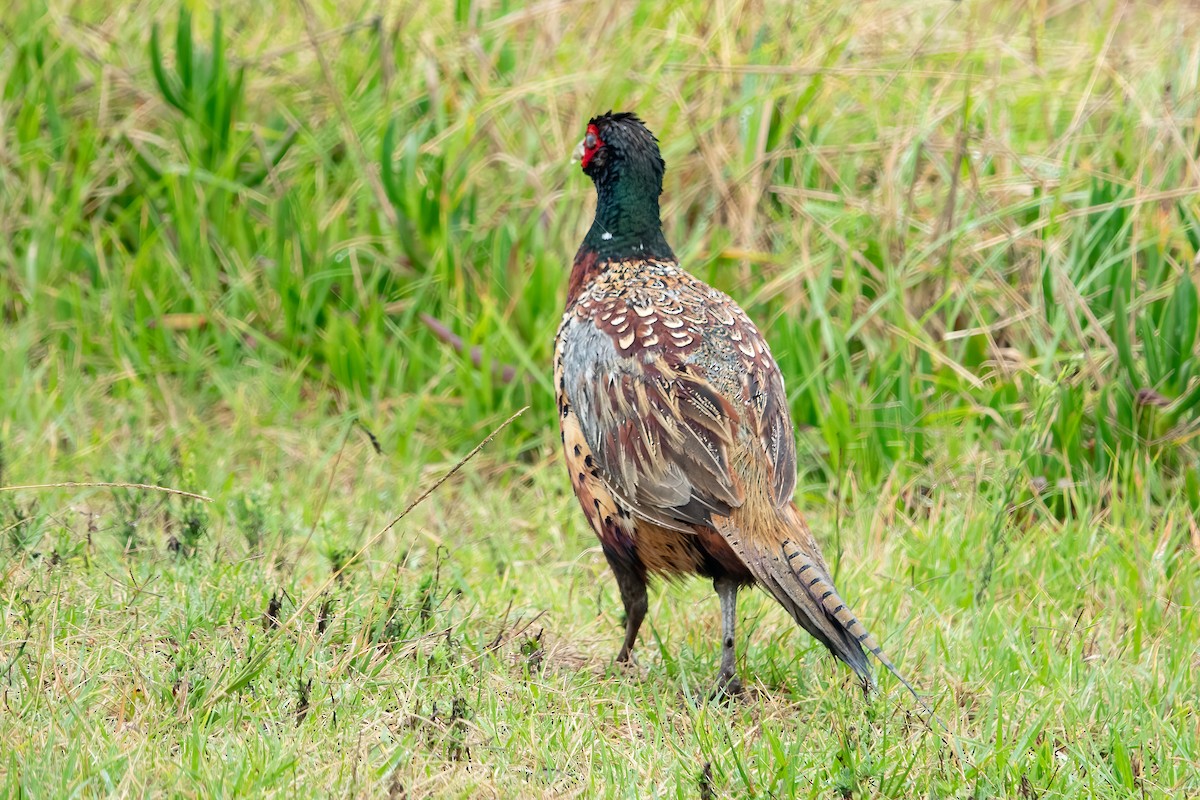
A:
(627, 223)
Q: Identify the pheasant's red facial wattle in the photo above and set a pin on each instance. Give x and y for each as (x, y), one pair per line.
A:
(590, 146)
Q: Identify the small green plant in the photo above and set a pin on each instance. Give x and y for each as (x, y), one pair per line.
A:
(66, 546)
(391, 622)
(20, 523)
(134, 508)
(249, 511)
(341, 556)
(193, 521)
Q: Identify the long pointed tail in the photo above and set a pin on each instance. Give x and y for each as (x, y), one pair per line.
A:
(787, 563)
(816, 583)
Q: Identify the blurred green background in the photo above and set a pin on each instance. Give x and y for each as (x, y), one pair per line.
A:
(968, 229)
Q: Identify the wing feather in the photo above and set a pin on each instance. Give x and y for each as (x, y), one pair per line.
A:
(663, 422)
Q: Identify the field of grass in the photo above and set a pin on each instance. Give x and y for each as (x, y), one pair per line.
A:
(300, 259)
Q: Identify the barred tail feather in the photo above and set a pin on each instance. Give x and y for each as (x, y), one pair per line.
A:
(820, 589)
(798, 587)
(788, 564)
(794, 584)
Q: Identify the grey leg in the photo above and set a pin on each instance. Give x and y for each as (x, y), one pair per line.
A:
(633, 595)
(727, 679)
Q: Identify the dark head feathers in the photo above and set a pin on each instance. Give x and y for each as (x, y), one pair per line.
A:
(630, 145)
(624, 125)
(619, 117)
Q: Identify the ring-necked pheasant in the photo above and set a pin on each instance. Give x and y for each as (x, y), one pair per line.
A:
(675, 421)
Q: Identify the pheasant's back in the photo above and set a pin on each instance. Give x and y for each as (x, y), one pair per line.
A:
(652, 308)
(649, 324)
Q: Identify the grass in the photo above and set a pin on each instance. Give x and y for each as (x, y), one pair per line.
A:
(251, 259)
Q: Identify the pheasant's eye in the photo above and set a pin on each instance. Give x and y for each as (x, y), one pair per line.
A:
(590, 146)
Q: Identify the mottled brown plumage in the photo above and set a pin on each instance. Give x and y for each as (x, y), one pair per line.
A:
(675, 421)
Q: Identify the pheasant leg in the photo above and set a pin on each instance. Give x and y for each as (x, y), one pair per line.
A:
(633, 594)
(727, 679)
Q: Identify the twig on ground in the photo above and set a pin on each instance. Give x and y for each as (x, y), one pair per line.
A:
(106, 485)
(316, 593)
